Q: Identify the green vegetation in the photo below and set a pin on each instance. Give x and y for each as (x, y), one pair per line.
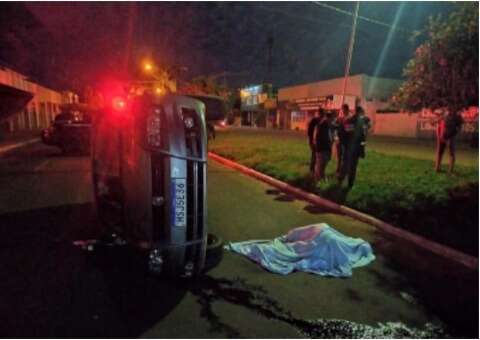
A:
(444, 69)
(395, 182)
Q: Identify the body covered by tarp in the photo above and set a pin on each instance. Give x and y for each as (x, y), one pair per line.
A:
(316, 248)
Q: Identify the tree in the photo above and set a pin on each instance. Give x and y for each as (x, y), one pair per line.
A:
(209, 85)
(444, 69)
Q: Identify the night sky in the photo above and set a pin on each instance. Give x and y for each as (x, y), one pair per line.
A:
(87, 41)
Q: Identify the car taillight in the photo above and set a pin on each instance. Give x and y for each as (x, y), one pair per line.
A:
(119, 104)
(154, 125)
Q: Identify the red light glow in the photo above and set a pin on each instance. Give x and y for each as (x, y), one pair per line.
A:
(119, 104)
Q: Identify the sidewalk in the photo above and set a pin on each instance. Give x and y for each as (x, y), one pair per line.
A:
(11, 141)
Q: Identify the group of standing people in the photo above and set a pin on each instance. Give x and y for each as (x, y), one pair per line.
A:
(344, 134)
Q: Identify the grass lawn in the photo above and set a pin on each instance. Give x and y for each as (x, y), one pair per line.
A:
(395, 182)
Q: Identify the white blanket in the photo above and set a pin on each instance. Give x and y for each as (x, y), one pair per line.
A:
(316, 248)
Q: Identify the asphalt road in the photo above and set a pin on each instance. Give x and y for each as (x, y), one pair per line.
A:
(49, 288)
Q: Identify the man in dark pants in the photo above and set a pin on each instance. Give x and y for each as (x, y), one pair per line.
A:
(339, 135)
(323, 145)
(311, 142)
(353, 137)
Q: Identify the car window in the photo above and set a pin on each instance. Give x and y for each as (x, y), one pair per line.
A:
(63, 117)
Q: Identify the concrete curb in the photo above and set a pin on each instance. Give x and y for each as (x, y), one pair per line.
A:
(436, 248)
(9, 147)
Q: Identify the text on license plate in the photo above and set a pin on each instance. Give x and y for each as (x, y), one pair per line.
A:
(179, 202)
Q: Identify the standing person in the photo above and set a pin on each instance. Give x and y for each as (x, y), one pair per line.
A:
(354, 136)
(323, 145)
(210, 130)
(311, 142)
(448, 127)
(339, 134)
(367, 125)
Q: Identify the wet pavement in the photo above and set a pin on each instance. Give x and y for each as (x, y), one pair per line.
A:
(51, 288)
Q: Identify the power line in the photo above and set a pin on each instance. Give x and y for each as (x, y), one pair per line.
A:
(370, 20)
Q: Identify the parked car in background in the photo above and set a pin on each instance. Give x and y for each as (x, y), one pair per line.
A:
(215, 112)
(70, 131)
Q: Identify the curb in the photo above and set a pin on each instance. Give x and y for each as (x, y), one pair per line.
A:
(9, 147)
(434, 247)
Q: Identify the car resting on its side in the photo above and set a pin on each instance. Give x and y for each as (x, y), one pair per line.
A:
(149, 164)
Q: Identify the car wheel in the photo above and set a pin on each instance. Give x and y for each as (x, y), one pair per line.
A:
(214, 252)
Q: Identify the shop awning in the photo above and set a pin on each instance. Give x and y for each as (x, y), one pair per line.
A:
(12, 100)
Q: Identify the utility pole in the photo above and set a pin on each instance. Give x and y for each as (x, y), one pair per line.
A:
(350, 51)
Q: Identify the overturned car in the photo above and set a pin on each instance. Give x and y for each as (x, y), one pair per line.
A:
(149, 171)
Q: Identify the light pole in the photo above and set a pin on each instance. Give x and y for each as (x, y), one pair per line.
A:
(350, 51)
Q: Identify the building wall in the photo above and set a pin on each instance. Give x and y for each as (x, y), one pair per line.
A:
(395, 124)
(322, 88)
(379, 89)
(421, 125)
(41, 109)
(372, 93)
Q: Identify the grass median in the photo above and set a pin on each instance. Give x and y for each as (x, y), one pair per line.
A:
(395, 182)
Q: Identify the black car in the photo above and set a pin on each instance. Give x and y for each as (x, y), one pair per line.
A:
(70, 131)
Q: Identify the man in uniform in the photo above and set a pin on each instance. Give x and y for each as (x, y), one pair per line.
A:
(323, 145)
(339, 135)
(351, 141)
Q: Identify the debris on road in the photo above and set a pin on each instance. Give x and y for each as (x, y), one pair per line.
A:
(316, 248)
(108, 240)
(344, 329)
(85, 244)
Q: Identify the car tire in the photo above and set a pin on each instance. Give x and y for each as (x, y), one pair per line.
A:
(214, 252)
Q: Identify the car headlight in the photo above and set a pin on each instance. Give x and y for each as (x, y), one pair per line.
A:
(189, 117)
(189, 122)
(154, 125)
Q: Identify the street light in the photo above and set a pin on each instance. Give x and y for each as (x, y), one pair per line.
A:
(148, 67)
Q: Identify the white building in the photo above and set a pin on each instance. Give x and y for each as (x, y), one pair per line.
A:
(297, 104)
(26, 105)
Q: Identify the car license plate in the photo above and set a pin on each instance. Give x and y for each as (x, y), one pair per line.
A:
(179, 202)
